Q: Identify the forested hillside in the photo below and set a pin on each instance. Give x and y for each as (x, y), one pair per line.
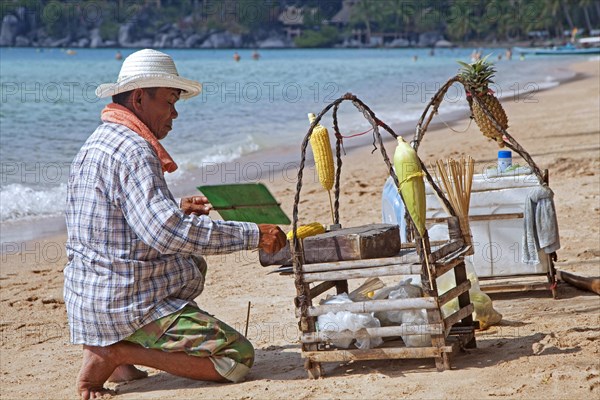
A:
(304, 23)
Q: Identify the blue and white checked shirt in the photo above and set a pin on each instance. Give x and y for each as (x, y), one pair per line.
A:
(129, 244)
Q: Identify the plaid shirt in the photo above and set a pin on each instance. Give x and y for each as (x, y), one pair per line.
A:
(129, 245)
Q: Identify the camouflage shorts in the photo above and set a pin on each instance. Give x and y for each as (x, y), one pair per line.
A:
(199, 334)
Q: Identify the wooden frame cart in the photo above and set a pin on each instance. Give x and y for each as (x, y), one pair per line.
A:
(503, 283)
(418, 258)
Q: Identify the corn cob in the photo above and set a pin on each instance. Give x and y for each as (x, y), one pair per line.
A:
(305, 231)
(321, 147)
(410, 177)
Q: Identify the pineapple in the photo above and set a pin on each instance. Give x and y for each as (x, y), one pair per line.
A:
(476, 77)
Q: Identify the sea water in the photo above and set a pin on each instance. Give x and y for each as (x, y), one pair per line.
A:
(48, 107)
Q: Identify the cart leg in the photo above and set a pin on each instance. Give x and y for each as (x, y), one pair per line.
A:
(313, 368)
(442, 363)
(341, 287)
(552, 275)
(460, 275)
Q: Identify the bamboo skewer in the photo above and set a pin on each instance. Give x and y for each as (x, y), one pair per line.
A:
(331, 207)
(247, 319)
(456, 177)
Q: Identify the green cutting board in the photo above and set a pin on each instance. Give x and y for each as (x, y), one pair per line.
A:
(247, 202)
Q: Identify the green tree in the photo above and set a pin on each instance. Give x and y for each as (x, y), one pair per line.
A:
(566, 10)
(461, 22)
(254, 14)
(370, 14)
(584, 5)
(326, 37)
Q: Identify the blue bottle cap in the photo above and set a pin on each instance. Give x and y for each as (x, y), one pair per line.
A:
(504, 154)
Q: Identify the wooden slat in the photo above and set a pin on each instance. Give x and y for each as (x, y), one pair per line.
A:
(433, 243)
(457, 316)
(455, 255)
(321, 288)
(413, 269)
(485, 217)
(518, 215)
(355, 264)
(441, 269)
(515, 276)
(386, 331)
(374, 306)
(459, 330)
(454, 292)
(515, 287)
(376, 354)
(449, 248)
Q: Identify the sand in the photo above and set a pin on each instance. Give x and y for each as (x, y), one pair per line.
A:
(543, 348)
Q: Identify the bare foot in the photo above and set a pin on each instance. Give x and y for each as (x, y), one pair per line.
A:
(127, 372)
(100, 394)
(98, 364)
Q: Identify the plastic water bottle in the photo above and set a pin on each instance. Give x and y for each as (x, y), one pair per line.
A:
(504, 160)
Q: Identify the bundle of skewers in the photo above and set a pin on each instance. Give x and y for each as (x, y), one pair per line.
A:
(456, 179)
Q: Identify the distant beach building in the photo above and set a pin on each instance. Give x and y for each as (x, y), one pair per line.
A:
(342, 20)
(363, 37)
(292, 18)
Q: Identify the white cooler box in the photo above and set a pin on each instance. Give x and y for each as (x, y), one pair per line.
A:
(497, 242)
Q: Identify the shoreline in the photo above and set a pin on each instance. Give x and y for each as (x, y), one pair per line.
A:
(262, 164)
(456, 45)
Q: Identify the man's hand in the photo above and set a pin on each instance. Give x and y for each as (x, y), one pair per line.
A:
(198, 205)
(272, 239)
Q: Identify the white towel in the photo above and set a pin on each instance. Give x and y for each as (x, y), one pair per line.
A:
(541, 225)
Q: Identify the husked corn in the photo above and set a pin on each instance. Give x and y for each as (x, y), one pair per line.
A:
(305, 231)
(321, 147)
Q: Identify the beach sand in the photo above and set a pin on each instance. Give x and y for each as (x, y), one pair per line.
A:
(543, 348)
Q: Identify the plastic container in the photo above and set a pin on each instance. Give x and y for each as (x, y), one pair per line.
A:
(504, 160)
(392, 208)
(497, 243)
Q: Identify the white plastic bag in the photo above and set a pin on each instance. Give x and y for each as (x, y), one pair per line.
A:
(484, 311)
(404, 290)
(348, 321)
(405, 318)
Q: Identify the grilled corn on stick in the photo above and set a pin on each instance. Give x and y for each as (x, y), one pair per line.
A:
(321, 147)
(305, 231)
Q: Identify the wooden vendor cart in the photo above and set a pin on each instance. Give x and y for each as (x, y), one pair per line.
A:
(350, 257)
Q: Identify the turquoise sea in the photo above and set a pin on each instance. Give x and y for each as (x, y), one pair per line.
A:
(247, 108)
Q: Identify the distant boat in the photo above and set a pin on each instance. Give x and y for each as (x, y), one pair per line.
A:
(568, 49)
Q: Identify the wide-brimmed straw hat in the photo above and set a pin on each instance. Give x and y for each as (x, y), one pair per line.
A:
(149, 68)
